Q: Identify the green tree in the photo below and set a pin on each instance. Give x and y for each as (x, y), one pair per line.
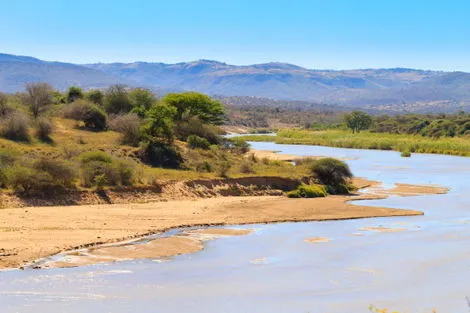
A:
(357, 121)
(141, 100)
(193, 104)
(331, 172)
(74, 93)
(95, 96)
(159, 122)
(117, 100)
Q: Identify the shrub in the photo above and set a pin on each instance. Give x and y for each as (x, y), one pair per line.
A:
(204, 167)
(95, 96)
(194, 126)
(406, 154)
(100, 169)
(74, 93)
(4, 107)
(43, 129)
(308, 191)
(196, 142)
(15, 127)
(236, 145)
(117, 100)
(7, 159)
(26, 180)
(37, 97)
(246, 168)
(129, 125)
(160, 154)
(62, 173)
(340, 189)
(43, 177)
(224, 168)
(95, 156)
(93, 117)
(331, 171)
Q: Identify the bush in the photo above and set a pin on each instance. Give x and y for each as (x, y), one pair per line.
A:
(246, 168)
(43, 177)
(160, 154)
(204, 167)
(224, 168)
(196, 142)
(236, 145)
(62, 173)
(15, 127)
(93, 117)
(129, 125)
(117, 100)
(406, 154)
(26, 180)
(43, 129)
(341, 189)
(194, 126)
(95, 96)
(308, 191)
(74, 93)
(331, 172)
(100, 169)
(7, 159)
(5, 109)
(95, 156)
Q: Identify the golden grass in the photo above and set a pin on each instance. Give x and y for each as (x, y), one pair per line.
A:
(69, 141)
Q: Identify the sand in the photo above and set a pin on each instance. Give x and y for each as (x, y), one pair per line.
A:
(317, 240)
(28, 234)
(407, 190)
(273, 155)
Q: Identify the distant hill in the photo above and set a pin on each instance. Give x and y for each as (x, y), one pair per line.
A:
(16, 71)
(388, 88)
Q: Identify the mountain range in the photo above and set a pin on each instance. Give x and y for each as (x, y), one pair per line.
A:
(281, 81)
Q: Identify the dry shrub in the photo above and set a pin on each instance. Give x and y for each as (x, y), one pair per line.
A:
(15, 127)
(129, 125)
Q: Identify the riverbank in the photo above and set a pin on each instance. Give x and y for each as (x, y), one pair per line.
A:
(28, 234)
(459, 146)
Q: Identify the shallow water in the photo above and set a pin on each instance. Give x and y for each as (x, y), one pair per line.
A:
(274, 270)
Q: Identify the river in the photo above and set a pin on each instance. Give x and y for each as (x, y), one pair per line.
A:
(426, 266)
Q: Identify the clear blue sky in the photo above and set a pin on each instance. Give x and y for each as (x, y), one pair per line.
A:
(336, 34)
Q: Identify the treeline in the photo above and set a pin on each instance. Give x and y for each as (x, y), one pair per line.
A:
(273, 117)
(426, 125)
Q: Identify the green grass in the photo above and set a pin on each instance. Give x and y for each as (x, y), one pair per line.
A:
(366, 140)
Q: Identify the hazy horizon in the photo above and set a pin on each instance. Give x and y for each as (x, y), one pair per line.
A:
(335, 35)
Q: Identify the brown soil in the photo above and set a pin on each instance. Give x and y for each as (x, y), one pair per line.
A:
(28, 234)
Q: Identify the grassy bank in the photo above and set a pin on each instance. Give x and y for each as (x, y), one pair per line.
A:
(366, 140)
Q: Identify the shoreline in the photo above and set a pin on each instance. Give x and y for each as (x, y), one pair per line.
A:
(33, 233)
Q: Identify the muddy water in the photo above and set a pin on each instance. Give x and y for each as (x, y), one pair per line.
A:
(411, 264)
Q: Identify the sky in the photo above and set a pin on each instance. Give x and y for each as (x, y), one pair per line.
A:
(317, 34)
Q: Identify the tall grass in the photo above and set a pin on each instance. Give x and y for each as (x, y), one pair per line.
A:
(366, 140)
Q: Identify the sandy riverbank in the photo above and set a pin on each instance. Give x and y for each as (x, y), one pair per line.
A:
(28, 234)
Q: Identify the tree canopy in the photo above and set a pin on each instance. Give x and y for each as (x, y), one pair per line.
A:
(357, 121)
(191, 104)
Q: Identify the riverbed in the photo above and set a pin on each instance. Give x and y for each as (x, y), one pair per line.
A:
(412, 264)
